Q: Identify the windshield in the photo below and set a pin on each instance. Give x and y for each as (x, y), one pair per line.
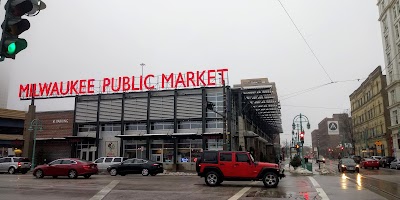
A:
(348, 161)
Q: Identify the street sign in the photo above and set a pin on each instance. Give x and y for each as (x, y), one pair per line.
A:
(333, 128)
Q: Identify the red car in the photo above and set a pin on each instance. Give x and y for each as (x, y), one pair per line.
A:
(368, 162)
(71, 167)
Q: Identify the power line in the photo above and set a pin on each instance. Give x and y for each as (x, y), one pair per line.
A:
(287, 13)
(313, 107)
(284, 97)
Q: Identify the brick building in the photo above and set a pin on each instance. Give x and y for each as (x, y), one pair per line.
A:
(53, 141)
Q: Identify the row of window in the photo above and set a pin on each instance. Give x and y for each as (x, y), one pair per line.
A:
(154, 126)
(366, 97)
(370, 114)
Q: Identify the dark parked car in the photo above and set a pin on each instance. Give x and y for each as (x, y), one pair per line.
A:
(348, 164)
(136, 166)
(71, 167)
(386, 160)
(356, 159)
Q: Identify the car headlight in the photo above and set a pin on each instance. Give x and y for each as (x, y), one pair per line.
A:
(358, 166)
(343, 166)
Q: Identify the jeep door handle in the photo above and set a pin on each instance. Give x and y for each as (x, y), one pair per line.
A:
(235, 165)
(222, 164)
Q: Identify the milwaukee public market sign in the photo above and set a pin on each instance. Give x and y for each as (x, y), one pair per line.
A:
(123, 84)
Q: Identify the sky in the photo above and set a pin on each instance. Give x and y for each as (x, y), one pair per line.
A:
(73, 39)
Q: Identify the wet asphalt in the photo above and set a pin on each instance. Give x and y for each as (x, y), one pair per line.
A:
(368, 184)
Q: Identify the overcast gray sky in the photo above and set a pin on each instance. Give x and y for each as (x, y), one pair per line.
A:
(74, 39)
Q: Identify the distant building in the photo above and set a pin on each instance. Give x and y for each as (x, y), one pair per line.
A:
(389, 14)
(370, 117)
(330, 145)
(11, 131)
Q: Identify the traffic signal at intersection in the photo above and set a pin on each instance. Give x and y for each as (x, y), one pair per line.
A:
(302, 137)
(13, 25)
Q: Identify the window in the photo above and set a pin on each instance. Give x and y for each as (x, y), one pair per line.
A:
(388, 57)
(241, 157)
(225, 157)
(117, 159)
(189, 125)
(139, 161)
(100, 160)
(217, 99)
(397, 31)
(390, 76)
(215, 144)
(210, 157)
(214, 124)
(67, 162)
(111, 127)
(86, 128)
(108, 160)
(384, 25)
(135, 148)
(394, 11)
(393, 96)
(162, 125)
(135, 127)
(56, 162)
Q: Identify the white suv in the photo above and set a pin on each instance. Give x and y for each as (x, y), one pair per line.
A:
(104, 162)
(15, 164)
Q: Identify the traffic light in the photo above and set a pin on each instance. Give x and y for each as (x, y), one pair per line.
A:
(302, 137)
(13, 25)
(342, 148)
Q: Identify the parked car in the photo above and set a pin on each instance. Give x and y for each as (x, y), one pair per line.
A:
(395, 164)
(356, 159)
(385, 161)
(368, 162)
(219, 166)
(15, 164)
(71, 167)
(376, 157)
(348, 164)
(104, 162)
(136, 166)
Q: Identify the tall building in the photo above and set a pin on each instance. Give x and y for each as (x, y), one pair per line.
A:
(330, 145)
(389, 14)
(4, 80)
(370, 117)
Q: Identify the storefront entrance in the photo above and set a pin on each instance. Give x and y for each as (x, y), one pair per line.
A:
(87, 154)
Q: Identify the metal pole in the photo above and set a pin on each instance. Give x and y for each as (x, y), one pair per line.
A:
(34, 146)
(224, 117)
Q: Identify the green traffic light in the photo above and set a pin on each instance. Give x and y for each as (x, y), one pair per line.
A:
(11, 48)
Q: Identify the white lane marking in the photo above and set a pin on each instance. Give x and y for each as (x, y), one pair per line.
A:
(240, 193)
(318, 188)
(103, 192)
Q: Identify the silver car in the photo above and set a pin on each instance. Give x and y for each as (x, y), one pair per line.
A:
(395, 164)
(15, 164)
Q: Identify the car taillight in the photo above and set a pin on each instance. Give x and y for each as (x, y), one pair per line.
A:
(86, 166)
(155, 164)
(19, 164)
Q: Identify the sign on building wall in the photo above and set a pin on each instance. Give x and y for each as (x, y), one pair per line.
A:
(333, 128)
(107, 85)
(111, 148)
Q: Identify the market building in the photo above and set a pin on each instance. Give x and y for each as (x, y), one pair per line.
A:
(175, 126)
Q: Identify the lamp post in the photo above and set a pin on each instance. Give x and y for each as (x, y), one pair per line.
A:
(142, 68)
(300, 119)
(36, 124)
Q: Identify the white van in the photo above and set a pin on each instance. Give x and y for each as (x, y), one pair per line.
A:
(104, 162)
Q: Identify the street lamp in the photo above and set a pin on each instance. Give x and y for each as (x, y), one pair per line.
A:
(300, 119)
(142, 68)
(36, 125)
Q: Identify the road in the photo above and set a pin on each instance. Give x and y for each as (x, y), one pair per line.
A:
(368, 185)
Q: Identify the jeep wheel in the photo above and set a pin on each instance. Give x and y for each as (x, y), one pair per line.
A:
(270, 180)
(212, 178)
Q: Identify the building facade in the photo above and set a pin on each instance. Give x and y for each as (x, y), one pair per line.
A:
(11, 131)
(53, 140)
(370, 117)
(175, 126)
(389, 16)
(330, 146)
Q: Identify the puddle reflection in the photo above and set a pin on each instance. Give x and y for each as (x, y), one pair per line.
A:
(359, 182)
(343, 181)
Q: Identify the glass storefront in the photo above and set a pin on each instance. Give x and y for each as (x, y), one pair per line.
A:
(188, 149)
(135, 149)
(162, 151)
(214, 144)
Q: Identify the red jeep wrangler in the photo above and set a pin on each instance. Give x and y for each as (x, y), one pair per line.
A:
(217, 166)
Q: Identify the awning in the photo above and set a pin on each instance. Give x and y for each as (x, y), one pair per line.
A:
(250, 134)
(213, 133)
(178, 134)
(50, 138)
